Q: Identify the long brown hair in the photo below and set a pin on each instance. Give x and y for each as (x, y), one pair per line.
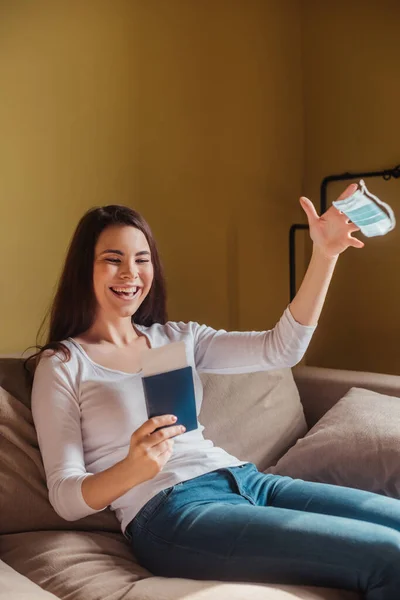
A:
(72, 311)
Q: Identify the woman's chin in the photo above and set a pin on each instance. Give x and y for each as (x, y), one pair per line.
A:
(129, 309)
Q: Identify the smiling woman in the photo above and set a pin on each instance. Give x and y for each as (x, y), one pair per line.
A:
(182, 502)
(120, 284)
(112, 276)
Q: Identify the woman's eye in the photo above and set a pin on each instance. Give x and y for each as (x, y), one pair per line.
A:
(117, 260)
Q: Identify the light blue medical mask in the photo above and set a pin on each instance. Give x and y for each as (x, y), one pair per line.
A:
(362, 208)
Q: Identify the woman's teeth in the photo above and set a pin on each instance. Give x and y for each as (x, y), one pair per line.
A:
(127, 293)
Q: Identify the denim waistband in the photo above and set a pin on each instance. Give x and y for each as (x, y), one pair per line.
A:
(154, 504)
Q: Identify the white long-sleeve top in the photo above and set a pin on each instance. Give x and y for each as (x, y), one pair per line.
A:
(85, 413)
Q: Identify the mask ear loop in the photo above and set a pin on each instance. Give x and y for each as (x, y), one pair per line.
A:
(388, 208)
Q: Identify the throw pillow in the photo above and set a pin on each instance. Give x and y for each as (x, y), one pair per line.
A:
(355, 444)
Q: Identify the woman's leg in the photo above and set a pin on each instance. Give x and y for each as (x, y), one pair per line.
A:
(322, 498)
(206, 530)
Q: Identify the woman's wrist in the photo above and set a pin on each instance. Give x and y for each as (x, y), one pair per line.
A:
(321, 255)
(130, 471)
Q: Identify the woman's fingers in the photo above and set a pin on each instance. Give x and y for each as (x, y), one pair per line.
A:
(164, 434)
(156, 422)
(356, 243)
(309, 208)
(352, 227)
(348, 191)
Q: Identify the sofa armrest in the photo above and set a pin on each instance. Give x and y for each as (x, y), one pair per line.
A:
(321, 388)
(14, 586)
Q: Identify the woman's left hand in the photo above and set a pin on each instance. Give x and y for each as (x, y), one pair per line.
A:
(331, 233)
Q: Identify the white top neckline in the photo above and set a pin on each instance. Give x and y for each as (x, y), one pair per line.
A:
(85, 354)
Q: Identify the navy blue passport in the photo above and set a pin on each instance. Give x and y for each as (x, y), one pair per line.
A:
(172, 393)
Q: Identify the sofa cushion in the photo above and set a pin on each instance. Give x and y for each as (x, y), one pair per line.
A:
(189, 589)
(254, 416)
(75, 565)
(355, 444)
(100, 566)
(14, 586)
(15, 379)
(24, 504)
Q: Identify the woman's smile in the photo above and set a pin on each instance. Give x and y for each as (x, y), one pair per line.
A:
(126, 294)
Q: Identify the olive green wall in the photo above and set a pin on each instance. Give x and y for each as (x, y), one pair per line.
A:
(352, 99)
(190, 112)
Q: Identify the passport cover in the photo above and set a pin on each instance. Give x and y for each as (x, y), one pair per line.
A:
(172, 393)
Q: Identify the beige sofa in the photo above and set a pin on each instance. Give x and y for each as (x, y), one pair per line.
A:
(43, 556)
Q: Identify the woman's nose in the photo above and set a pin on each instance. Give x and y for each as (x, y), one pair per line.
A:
(132, 271)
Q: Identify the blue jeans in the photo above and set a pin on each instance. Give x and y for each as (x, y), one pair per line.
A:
(237, 524)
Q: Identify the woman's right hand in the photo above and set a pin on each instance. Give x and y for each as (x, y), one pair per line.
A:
(149, 449)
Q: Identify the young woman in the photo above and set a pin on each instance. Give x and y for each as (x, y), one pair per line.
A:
(188, 508)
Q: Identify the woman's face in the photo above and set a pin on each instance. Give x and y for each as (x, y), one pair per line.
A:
(122, 271)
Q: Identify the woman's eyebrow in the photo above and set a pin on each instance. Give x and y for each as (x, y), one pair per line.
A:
(140, 253)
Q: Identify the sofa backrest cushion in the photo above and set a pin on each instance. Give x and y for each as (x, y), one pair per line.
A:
(24, 504)
(254, 416)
